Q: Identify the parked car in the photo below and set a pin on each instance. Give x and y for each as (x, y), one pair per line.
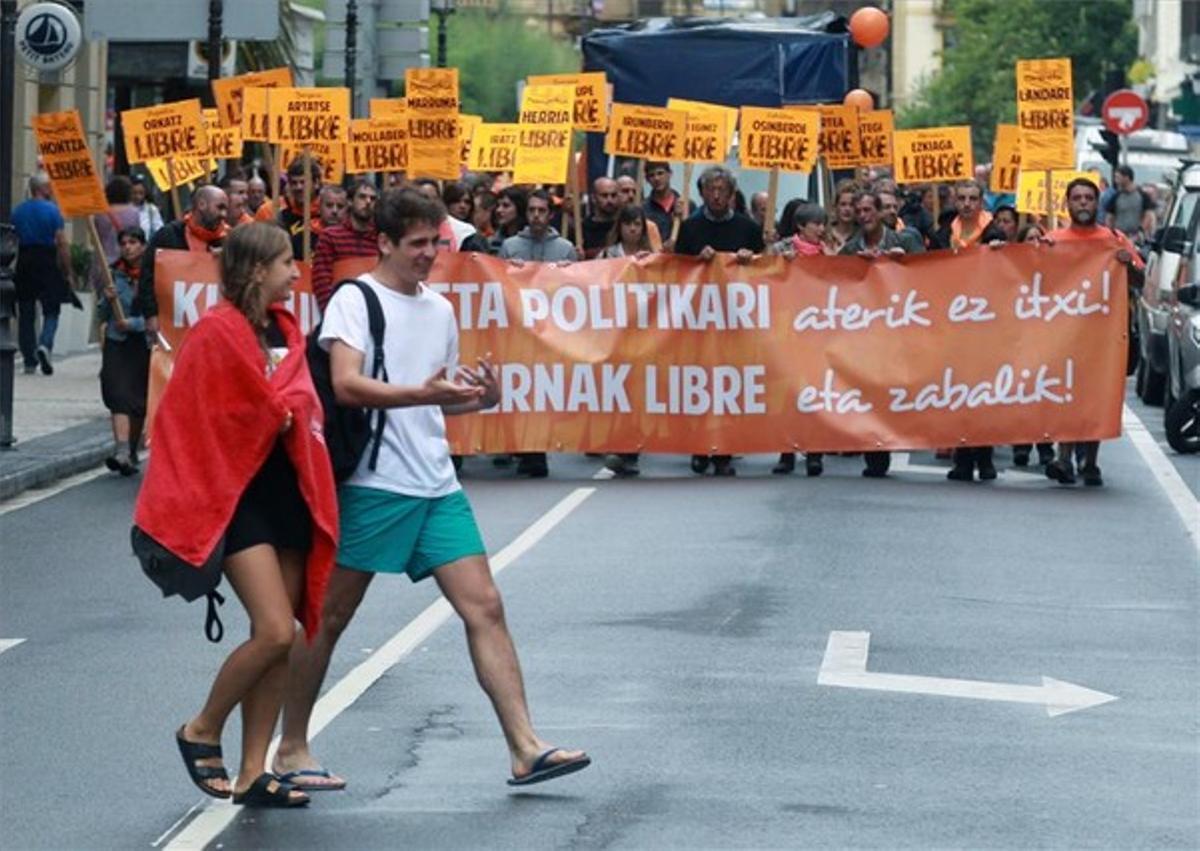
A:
(1181, 418)
(1164, 266)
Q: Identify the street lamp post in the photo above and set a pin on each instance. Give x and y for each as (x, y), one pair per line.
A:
(216, 14)
(351, 48)
(8, 240)
(443, 9)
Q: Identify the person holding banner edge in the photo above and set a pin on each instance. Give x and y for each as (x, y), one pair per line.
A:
(409, 514)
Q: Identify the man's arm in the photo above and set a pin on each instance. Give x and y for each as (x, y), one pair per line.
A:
(351, 387)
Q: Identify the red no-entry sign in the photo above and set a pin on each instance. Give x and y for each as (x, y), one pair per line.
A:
(1125, 111)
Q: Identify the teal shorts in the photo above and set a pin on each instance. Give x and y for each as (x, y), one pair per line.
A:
(385, 532)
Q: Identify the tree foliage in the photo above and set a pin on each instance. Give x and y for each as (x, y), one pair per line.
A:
(977, 83)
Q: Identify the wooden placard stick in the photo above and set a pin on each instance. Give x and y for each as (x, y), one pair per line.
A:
(1051, 207)
(277, 199)
(118, 311)
(769, 234)
(641, 181)
(684, 201)
(576, 197)
(308, 187)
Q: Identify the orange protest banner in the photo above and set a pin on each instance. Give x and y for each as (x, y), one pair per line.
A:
(875, 129)
(224, 143)
(1046, 114)
(840, 144)
(544, 134)
(590, 105)
(933, 155)
(494, 147)
(377, 144)
(331, 158)
(227, 91)
(645, 132)
(309, 115)
(830, 354)
(166, 131)
(387, 107)
(1006, 159)
(432, 110)
(786, 139)
(65, 154)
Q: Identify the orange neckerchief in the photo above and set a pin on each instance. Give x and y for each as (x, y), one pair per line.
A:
(205, 235)
(957, 240)
(131, 271)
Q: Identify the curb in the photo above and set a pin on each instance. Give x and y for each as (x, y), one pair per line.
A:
(45, 460)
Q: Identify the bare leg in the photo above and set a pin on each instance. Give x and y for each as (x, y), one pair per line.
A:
(468, 587)
(120, 429)
(308, 664)
(257, 577)
(136, 425)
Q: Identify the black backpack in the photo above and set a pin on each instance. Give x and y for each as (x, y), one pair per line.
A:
(350, 430)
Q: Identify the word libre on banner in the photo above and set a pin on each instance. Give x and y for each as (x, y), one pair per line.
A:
(933, 155)
(228, 93)
(1006, 159)
(432, 107)
(304, 115)
(590, 104)
(377, 144)
(875, 129)
(494, 147)
(675, 354)
(166, 131)
(544, 134)
(786, 139)
(68, 161)
(1046, 114)
(645, 132)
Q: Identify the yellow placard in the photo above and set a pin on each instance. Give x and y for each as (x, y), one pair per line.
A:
(432, 110)
(933, 155)
(228, 91)
(256, 121)
(1046, 113)
(388, 107)
(707, 137)
(787, 139)
(875, 129)
(309, 115)
(68, 160)
(544, 134)
(377, 144)
(224, 143)
(168, 130)
(839, 139)
(185, 170)
(329, 157)
(466, 129)
(494, 147)
(1031, 190)
(1006, 159)
(590, 110)
(646, 132)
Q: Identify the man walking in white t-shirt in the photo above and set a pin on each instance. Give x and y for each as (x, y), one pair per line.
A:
(409, 514)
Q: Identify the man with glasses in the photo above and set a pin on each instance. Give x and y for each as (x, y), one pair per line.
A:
(356, 236)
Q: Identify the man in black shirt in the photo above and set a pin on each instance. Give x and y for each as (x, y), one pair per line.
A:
(718, 228)
(605, 202)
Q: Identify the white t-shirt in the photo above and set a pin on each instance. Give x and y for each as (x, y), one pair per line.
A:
(420, 337)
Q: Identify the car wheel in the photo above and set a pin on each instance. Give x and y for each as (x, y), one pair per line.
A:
(1153, 386)
(1182, 423)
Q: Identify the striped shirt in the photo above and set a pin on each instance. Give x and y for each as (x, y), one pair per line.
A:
(339, 243)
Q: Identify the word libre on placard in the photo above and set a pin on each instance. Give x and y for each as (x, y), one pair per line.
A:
(649, 138)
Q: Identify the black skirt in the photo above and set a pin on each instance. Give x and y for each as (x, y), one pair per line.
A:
(125, 375)
(272, 510)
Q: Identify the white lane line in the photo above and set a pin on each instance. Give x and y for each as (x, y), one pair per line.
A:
(1182, 500)
(30, 497)
(217, 815)
(10, 643)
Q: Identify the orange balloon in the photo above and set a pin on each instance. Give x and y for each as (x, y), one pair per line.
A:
(869, 27)
(860, 98)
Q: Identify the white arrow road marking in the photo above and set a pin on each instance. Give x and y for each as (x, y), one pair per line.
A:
(845, 665)
(10, 643)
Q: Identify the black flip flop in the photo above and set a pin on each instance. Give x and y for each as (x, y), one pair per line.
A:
(260, 794)
(192, 753)
(543, 769)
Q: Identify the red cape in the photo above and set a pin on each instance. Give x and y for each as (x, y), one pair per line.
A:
(216, 424)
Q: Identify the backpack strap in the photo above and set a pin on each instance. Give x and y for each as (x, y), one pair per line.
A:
(376, 325)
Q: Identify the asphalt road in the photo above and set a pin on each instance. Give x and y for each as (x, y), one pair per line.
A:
(675, 628)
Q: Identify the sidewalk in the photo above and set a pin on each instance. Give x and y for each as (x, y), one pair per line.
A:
(59, 422)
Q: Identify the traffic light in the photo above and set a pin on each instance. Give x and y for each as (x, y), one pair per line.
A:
(1110, 148)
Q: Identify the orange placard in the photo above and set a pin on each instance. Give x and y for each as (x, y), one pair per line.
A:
(875, 129)
(840, 144)
(432, 110)
(227, 91)
(933, 155)
(706, 138)
(696, 108)
(1006, 159)
(983, 347)
(646, 132)
(331, 159)
(166, 131)
(387, 107)
(309, 115)
(466, 131)
(494, 147)
(590, 106)
(65, 154)
(786, 139)
(377, 144)
(1046, 113)
(1031, 191)
(256, 121)
(224, 143)
(185, 170)
(544, 134)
